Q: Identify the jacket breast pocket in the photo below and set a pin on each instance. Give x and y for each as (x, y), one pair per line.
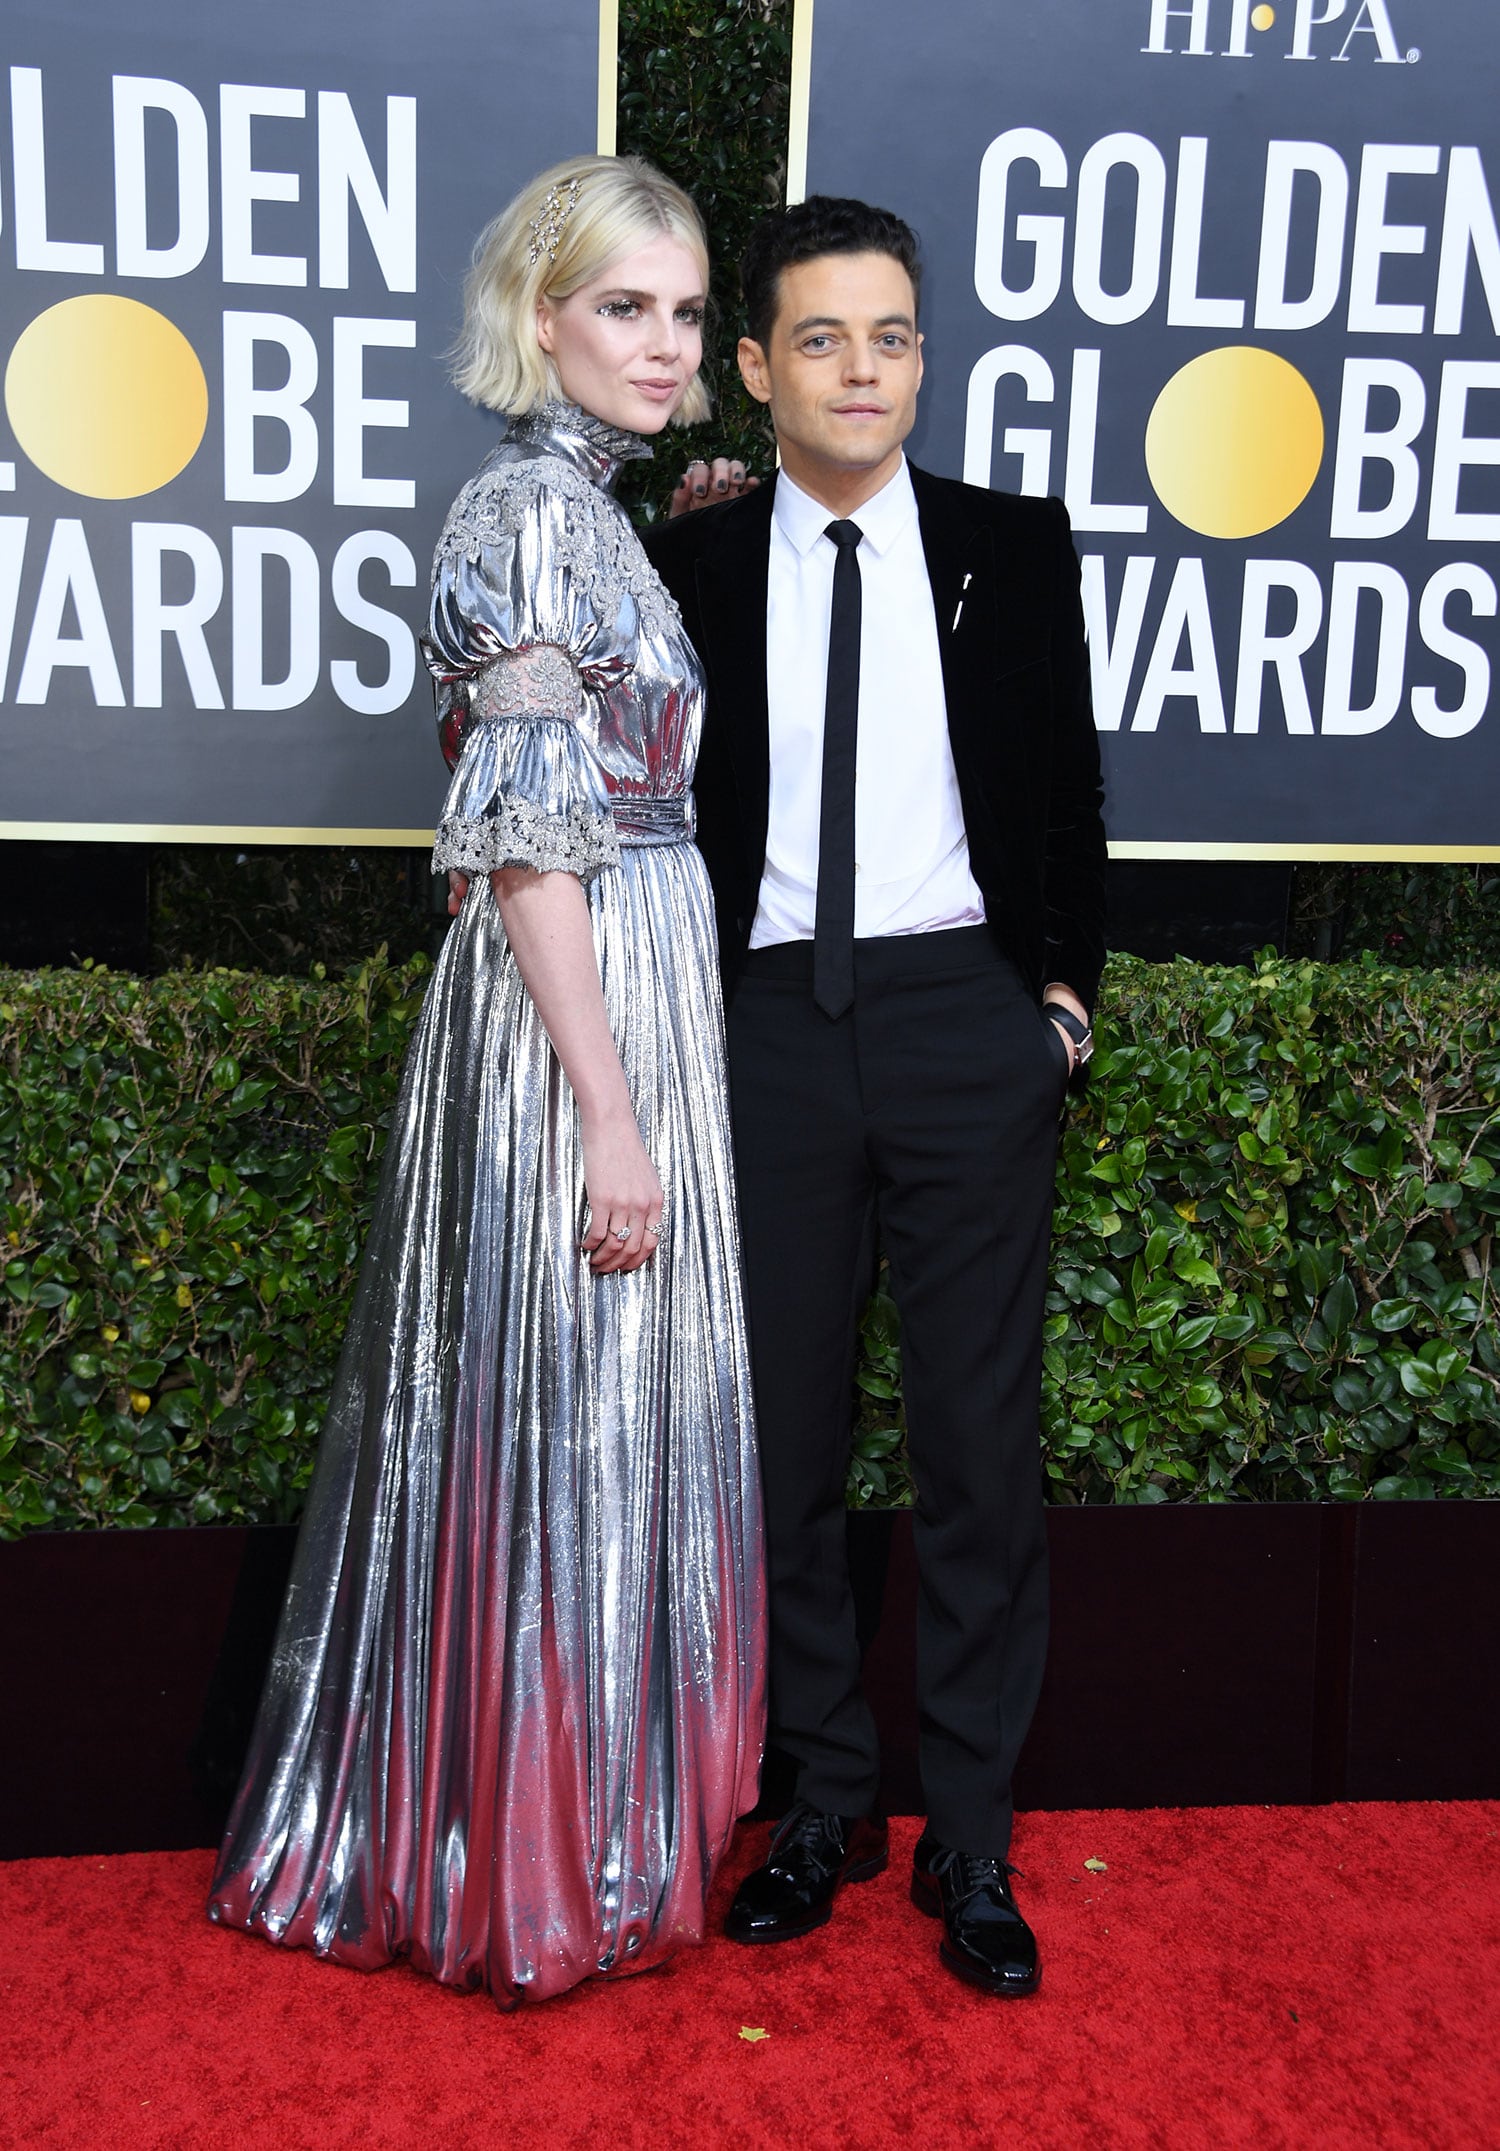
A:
(1027, 678)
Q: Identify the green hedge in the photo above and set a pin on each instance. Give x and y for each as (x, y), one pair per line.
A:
(1273, 1275)
(1273, 1269)
(186, 1165)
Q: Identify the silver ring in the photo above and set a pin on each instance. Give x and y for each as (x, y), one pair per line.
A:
(655, 1231)
(623, 1234)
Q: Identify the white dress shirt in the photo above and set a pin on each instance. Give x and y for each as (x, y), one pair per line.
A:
(911, 871)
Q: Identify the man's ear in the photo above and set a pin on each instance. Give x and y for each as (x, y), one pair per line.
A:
(754, 371)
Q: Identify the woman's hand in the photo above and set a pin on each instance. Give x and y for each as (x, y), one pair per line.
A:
(624, 1196)
(458, 889)
(701, 484)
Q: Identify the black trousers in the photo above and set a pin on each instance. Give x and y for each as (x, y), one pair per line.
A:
(928, 1113)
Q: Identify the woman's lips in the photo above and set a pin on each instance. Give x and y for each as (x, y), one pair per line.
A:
(658, 391)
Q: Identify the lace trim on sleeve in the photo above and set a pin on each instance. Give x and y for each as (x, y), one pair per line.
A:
(520, 834)
(529, 684)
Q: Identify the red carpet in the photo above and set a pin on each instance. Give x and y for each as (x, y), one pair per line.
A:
(1322, 1977)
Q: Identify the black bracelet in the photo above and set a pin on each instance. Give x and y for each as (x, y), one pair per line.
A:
(1080, 1032)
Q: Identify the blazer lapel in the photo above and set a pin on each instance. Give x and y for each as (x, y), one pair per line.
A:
(732, 578)
(960, 558)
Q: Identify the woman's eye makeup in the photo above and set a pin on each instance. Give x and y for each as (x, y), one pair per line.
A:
(630, 310)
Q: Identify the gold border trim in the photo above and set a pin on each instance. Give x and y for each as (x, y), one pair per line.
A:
(1416, 854)
(609, 75)
(800, 102)
(207, 833)
(421, 840)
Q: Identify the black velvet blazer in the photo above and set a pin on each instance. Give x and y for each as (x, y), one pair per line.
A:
(1016, 680)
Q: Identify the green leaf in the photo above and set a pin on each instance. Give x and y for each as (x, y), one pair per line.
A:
(1339, 1307)
(1420, 1380)
(1444, 1359)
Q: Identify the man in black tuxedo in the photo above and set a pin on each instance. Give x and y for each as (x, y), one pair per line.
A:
(911, 940)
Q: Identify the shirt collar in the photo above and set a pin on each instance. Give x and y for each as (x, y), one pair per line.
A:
(882, 518)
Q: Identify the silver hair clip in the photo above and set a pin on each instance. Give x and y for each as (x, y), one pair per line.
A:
(547, 224)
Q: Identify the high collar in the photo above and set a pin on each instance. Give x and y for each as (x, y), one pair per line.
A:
(591, 446)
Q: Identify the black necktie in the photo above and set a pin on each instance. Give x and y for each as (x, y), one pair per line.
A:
(833, 926)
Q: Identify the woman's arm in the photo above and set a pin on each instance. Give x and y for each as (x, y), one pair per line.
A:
(546, 919)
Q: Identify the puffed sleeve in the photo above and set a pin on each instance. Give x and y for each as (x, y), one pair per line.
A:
(514, 641)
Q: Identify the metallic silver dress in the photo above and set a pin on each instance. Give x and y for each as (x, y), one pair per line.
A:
(516, 1700)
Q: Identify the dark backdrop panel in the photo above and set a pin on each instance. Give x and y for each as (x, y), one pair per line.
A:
(500, 88)
(1146, 190)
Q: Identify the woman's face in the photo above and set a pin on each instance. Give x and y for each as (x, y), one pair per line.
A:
(627, 344)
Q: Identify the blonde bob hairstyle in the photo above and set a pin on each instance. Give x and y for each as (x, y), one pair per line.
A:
(622, 205)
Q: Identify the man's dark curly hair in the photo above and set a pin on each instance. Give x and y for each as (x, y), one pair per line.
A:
(823, 224)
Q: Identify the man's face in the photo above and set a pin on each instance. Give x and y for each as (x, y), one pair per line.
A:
(840, 372)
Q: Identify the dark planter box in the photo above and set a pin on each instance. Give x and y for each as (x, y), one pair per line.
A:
(1277, 1653)
(1200, 1656)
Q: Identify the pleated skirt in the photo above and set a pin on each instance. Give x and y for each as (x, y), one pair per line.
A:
(517, 1696)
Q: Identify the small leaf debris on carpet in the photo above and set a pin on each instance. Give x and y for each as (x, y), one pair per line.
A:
(1251, 1991)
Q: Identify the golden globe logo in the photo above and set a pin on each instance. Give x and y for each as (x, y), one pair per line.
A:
(107, 397)
(1234, 442)
(1235, 437)
(1308, 30)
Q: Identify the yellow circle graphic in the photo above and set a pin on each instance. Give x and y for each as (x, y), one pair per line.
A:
(1234, 442)
(106, 396)
(1262, 17)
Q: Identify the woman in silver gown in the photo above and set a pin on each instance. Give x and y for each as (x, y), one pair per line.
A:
(516, 1699)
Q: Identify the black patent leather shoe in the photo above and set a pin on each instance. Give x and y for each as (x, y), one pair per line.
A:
(812, 1856)
(985, 1940)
